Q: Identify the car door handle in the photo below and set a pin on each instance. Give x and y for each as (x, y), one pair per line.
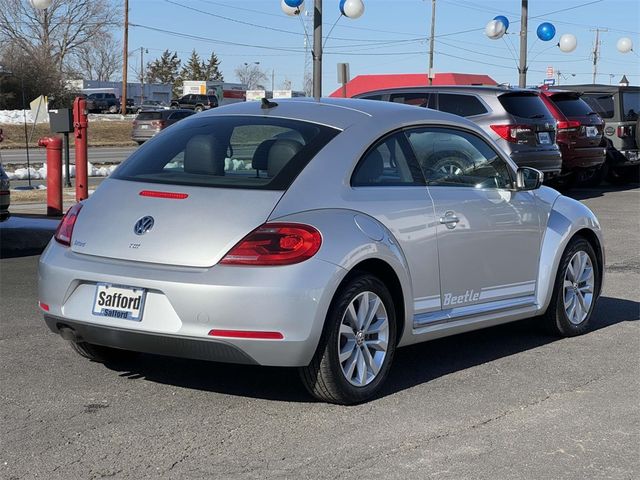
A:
(450, 220)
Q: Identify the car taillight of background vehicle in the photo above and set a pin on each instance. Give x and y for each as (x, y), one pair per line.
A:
(568, 126)
(275, 244)
(624, 131)
(159, 124)
(65, 229)
(513, 133)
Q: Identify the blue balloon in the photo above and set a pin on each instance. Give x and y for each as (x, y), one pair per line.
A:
(293, 3)
(546, 31)
(342, 2)
(504, 20)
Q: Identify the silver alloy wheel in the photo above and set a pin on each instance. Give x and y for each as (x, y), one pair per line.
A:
(450, 170)
(578, 287)
(363, 339)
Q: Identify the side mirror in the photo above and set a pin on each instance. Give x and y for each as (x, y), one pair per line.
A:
(528, 178)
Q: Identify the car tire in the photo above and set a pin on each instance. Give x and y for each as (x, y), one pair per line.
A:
(198, 108)
(575, 291)
(595, 177)
(352, 361)
(98, 353)
(622, 175)
(113, 109)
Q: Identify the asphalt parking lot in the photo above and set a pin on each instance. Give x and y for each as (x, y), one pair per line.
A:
(507, 402)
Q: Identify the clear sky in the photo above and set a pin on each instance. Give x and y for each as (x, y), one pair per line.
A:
(391, 37)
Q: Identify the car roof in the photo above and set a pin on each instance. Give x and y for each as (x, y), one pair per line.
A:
(493, 89)
(340, 112)
(589, 87)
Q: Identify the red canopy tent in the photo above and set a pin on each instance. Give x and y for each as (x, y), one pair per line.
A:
(367, 83)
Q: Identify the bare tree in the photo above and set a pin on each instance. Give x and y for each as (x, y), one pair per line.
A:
(251, 75)
(99, 60)
(58, 31)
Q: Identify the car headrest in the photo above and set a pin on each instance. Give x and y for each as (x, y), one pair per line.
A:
(204, 155)
(370, 170)
(280, 153)
(260, 160)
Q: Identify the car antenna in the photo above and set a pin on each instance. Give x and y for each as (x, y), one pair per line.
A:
(268, 104)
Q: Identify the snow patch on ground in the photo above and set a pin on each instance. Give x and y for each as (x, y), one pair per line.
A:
(41, 173)
(16, 117)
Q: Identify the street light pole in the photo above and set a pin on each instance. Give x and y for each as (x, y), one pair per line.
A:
(317, 49)
(522, 69)
(125, 58)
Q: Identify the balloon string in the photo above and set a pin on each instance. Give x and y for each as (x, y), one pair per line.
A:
(511, 52)
(326, 39)
(534, 44)
(304, 27)
(541, 52)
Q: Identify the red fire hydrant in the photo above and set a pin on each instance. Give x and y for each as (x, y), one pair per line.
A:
(54, 174)
(80, 125)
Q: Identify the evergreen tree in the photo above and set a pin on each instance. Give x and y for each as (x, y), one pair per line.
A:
(211, 69)
(193, 69)
(165, 70)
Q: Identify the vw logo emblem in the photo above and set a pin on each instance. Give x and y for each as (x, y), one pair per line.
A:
(143, 225)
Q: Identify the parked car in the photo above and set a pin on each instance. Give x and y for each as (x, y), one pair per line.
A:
(149, 123)
(151, 105)
(317, 235)
(580, 132)
(195, 102)
(103, 102)
(618, 106)
(516, 119)
(5, 193)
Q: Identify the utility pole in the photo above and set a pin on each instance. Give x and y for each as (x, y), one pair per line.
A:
(125, 57)
(522, 69)
(141, 75)
(431, 39)
(317, 49)
(596, 51)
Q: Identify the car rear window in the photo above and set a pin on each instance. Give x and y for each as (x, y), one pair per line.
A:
(228, 152)
(602, 103)
(524, 105)
(630, 105)
(149, 116)
(571, 105)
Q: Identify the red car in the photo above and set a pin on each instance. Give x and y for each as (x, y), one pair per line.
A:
(579, 136)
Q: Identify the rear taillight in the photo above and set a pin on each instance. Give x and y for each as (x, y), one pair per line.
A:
(513, 133)
(158, 124)
(275, 244)
(65, 229)
(624, 131)
(569, 125)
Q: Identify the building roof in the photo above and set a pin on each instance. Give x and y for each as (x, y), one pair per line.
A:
(366, 83)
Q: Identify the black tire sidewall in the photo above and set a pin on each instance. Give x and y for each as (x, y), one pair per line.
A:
(342, 300)
(562, 323)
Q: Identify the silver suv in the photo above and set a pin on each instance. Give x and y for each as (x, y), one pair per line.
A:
(517, 119)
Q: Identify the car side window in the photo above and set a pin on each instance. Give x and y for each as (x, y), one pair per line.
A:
(463, 105)
(417, 99)
(456, 158)
(390, 162)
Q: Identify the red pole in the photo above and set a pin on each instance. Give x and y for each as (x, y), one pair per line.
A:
(81, 126)
(54, 174)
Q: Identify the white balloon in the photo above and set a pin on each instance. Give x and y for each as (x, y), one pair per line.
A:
(40, 4)
(291, 11)
(624, 45)
(353, 8)
(495, 29)
(568, 42)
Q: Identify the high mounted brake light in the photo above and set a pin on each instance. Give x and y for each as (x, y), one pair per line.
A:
(275, 244)
(65, 229)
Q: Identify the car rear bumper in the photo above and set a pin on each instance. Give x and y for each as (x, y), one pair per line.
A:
(143, 135)
(581, 158)
(547, 161)
(184, 304)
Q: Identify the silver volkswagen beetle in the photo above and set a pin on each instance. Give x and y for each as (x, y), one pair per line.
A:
(316, 234)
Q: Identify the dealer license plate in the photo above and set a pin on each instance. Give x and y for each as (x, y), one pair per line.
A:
(144, 126)
(119, 301)
(544, 138)
(592, 131)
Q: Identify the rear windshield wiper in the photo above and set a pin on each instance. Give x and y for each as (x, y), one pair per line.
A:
(538, 115)
(592, 113)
